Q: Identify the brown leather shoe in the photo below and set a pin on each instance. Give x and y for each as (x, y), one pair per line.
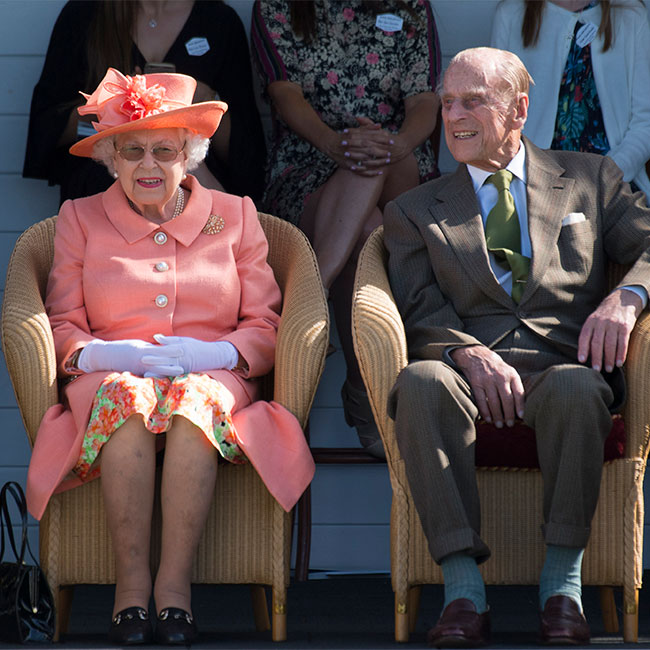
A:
(460, 626)
(562, 623)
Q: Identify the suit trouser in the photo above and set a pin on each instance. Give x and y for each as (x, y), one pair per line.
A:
(565, 403)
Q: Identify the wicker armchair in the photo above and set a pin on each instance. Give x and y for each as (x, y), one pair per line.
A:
(511, 499)
(248, 535)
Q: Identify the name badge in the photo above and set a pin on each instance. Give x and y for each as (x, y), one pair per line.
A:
(586, 34)
(389, 23)
(197, 46)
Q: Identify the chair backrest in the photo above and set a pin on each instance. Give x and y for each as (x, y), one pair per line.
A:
(378, 332)
(305, 318)
(27, 337)
(24, 319)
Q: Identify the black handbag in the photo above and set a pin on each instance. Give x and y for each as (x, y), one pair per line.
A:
(26, 603)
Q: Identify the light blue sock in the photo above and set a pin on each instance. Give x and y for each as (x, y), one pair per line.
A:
(561, 574)
(463, 580)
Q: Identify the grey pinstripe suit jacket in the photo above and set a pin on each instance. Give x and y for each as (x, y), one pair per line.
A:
(439, 268)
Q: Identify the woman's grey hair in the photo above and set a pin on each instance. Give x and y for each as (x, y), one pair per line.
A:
(195, 149)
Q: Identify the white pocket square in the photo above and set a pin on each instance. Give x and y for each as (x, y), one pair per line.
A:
(573, 217)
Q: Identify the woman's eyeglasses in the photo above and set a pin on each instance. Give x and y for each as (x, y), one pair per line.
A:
(161, 153)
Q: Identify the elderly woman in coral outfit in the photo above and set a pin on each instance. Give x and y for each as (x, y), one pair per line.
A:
(163, 310)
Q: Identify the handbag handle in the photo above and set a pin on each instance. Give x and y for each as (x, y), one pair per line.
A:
(18, 495)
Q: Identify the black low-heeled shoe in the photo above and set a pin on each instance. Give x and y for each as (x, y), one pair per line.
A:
(175, 627)
(131, 626)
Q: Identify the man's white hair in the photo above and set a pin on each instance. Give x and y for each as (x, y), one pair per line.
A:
(504, 65)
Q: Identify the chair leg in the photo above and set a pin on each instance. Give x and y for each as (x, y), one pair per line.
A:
(63, 604)
(413, 606)
(279, 632)
(631, 618)
(401, 620)
(260, 609)
(608, 610)
(303, 541)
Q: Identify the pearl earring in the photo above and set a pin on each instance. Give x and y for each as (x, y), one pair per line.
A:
(184, 176)
(115, 175)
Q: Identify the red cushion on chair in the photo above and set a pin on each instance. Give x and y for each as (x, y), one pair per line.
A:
(515, 447)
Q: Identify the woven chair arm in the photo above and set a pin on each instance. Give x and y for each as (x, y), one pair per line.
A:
(27, 340)
(378, 334)
(303, 334)
(637, 406)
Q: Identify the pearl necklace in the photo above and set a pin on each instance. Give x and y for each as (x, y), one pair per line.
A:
(180, 204)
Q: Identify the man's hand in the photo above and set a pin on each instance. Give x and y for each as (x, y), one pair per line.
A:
(606, 333)
(497, 387)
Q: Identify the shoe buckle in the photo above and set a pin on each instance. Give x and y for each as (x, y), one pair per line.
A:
(179, 615)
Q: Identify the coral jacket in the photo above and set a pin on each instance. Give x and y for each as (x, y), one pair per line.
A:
(116, 275)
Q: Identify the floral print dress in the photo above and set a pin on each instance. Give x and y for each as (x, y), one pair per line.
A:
(351, 68)
(579, 124)
(199, 398)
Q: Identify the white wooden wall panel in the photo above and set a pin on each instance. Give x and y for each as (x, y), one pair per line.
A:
(17, 75)
(13, 135)
(26, 201)
(350, 504)
(26, 25)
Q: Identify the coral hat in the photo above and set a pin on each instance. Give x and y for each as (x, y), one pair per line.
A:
(151, 101)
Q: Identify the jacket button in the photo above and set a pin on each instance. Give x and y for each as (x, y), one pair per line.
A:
(160, 238)
(162, 267)
(161, 300)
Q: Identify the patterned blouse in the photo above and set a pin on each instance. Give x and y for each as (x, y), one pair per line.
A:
(351, 68)
(579, 124)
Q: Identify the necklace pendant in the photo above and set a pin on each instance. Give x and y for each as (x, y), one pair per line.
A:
(153, 23)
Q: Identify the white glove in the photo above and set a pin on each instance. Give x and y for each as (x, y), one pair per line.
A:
(197, 356)
(122, 356)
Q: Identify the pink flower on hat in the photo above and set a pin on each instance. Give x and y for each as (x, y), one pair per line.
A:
(120, 98)
(141, 101)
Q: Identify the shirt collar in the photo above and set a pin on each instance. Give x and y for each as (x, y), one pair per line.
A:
(517, 166)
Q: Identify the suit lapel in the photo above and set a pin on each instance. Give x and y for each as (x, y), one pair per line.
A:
(547, 196)
(466, 234)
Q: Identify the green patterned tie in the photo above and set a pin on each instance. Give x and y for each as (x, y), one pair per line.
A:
(503, 234)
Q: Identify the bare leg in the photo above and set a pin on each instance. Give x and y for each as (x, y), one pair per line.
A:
(338, 219)
(335, 216)
(341, 298)
(189, 474)
(128, 471)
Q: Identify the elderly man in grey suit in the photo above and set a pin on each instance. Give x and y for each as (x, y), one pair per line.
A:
(498, 271)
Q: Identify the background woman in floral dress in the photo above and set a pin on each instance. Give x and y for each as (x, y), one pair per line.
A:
(351, 85)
